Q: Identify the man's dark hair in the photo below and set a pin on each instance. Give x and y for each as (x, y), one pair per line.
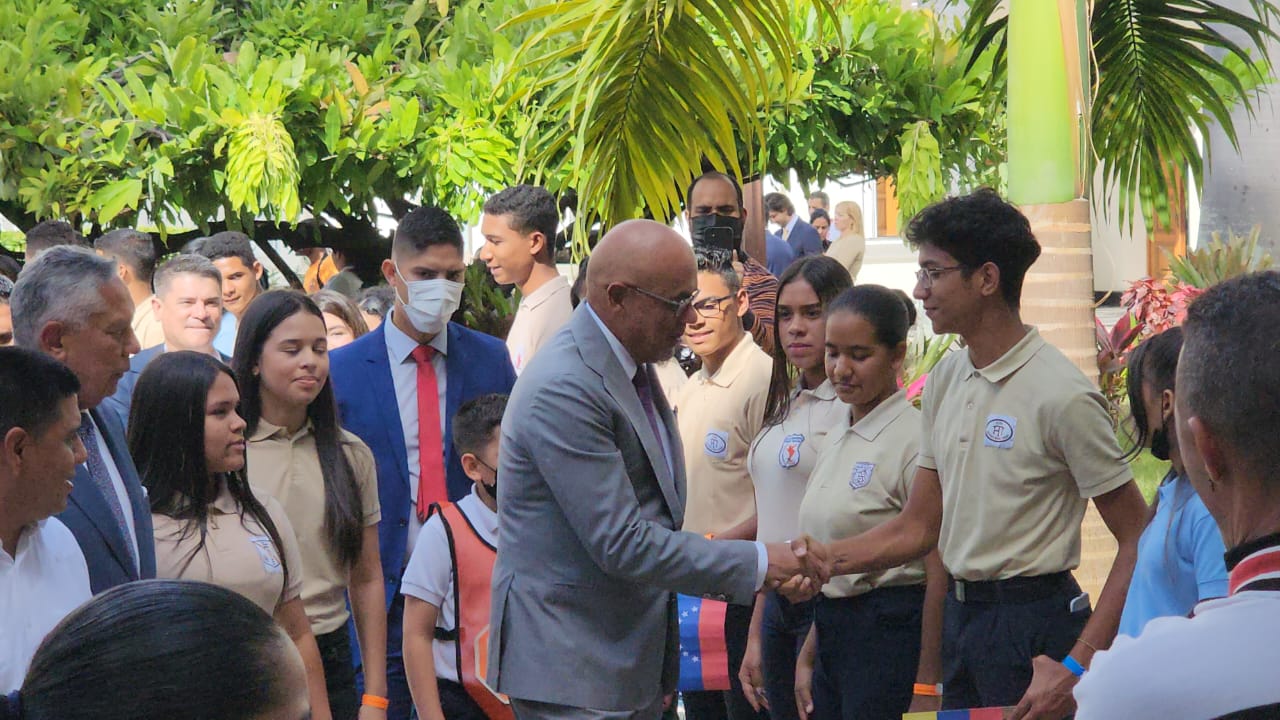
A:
(32, 385)
(976, 229)
(50, 233)
(777, 202)
(474, 423)
(1228, 375)
(132, 249)
(9, 267)
(227, 244)
(529, 209)
(425, 227)
(688, 196)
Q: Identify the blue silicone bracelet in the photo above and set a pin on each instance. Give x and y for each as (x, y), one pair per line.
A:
(1070, 663)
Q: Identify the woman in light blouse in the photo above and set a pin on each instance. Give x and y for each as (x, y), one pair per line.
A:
(850, 246)
(800, 409)
(188, 443)
(325, 479)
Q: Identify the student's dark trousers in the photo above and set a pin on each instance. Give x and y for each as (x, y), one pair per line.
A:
(783, 632)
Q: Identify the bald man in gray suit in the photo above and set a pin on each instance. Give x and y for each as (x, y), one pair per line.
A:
(590, 554)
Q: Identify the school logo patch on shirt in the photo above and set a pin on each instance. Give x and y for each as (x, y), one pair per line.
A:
(789, 454)
(1000, 431)
(267, 553)
(716, 444)
(861, 475)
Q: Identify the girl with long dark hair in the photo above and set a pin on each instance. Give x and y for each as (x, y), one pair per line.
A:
(801, 407)
(188, 444)
(1180, 553)
(326, 480)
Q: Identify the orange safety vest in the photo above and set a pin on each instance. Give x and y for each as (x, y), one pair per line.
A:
(473, 560)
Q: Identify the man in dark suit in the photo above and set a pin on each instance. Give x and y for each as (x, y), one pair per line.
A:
(800, 235)
(399, 386)
(70, 305)
(590, 554)
(188, 305)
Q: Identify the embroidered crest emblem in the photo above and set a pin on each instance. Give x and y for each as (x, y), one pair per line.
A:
(861, 475)
(789, 453)
(716, 444)
(267, 554)
(1000, 431)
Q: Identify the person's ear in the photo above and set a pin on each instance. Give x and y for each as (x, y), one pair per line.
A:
(12, 446)
(257, 270)
(899, 357)
(744, 304)
(1210, 448)
(52, 339)
(742, 213)
(1166, 403)
(615, 293)
(537, 242)
(155, 304)
(988, 279)
(471, 466)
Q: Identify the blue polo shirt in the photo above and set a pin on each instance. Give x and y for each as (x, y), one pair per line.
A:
(1180, 559)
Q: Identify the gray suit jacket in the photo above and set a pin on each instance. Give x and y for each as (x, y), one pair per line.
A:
(589, 553)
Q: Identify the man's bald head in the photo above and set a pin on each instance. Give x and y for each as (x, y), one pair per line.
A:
(636, 263)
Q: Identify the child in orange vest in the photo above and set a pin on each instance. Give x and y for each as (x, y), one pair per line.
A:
(446, 584)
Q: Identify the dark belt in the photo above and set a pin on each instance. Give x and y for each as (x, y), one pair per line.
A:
(1013, 590)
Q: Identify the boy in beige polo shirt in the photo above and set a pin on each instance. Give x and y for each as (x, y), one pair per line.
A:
(1014, 442)
(719, 412)
(519, 228)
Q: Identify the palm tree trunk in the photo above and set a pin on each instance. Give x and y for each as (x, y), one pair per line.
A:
(1047, 176)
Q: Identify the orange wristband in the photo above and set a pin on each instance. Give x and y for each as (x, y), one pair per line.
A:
(375, 701)
(927, 690)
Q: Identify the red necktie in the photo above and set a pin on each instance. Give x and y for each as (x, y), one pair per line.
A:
(431, 483)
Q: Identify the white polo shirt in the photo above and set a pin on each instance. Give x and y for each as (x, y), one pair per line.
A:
(40, 584)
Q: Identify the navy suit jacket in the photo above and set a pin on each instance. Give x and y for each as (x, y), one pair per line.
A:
(476, 364)
(778, 254)
(804, 239)
(120, 403)
(105, 547)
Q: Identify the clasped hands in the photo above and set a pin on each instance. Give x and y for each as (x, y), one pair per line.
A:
(797, 569)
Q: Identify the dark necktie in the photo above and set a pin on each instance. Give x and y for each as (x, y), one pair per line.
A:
(645, 390)
(101, 478)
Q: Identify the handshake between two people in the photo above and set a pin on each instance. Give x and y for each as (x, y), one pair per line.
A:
(797, 569)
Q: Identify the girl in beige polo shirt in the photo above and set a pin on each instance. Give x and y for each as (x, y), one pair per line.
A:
(800, 410)
(325, 479)
(876, 637)
(188, 443)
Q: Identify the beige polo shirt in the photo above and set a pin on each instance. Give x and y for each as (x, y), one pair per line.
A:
(718, 416)
(146, 326)
(288, 468)
(541, 313)
(238, 552)
(783, 457)
(862, 479)
(1019, 446)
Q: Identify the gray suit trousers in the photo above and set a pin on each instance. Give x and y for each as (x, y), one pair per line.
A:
(531, 710)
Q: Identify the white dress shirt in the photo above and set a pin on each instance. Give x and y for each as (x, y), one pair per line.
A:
(404, 377)
(122, 494)
(629, 367)
(43, 581)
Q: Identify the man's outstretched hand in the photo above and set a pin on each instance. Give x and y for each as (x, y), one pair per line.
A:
(797, 569)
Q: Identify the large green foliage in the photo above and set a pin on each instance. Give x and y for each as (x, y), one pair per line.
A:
(889, 99)
(1162, 71)
(252, 112)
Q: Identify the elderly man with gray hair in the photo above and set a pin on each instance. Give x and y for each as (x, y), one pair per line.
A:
(70, 305)
(188, 307)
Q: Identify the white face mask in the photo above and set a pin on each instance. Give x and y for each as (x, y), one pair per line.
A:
(431, 302)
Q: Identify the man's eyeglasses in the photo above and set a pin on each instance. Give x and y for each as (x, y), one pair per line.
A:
(678, 305)
(710, 308)
(928, 276)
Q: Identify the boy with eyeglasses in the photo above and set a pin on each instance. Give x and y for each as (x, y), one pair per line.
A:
(719, 412)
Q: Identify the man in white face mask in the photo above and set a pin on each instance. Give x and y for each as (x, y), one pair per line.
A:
(399, 386)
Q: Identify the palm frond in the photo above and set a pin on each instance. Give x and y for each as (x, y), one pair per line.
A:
(643, 90)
